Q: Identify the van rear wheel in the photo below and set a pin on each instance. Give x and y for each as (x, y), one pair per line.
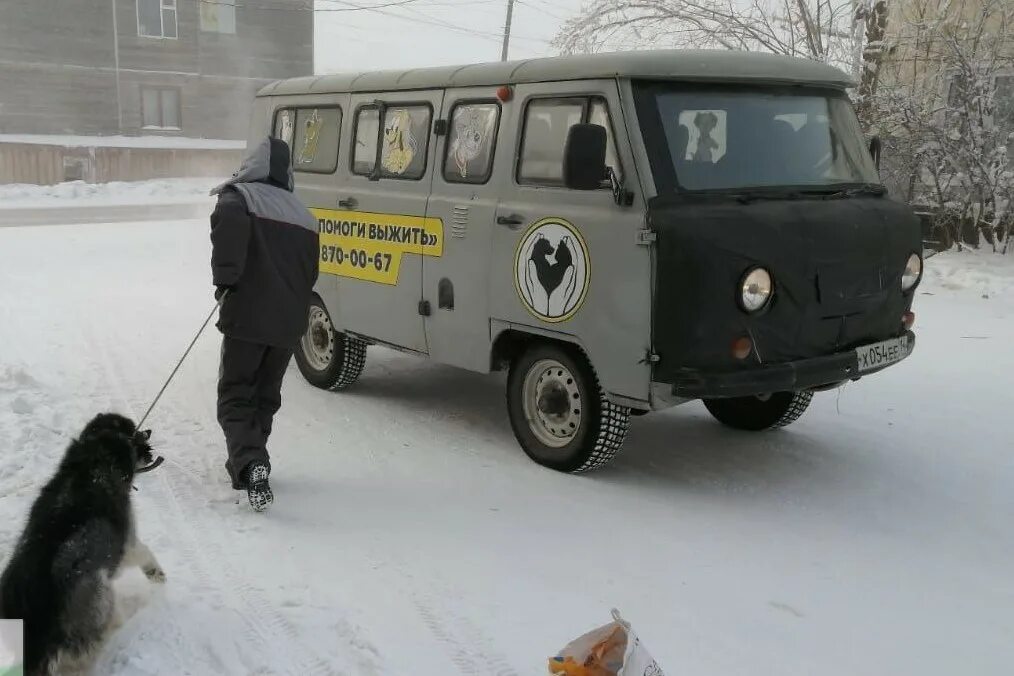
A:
(559, 413)
(328, 359)
(754, 414)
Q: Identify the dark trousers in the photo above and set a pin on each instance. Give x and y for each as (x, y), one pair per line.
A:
(249, 395)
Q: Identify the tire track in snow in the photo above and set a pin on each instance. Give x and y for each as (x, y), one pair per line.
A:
(268, 620)
(188, 545)
(466, 645)
(267, 630)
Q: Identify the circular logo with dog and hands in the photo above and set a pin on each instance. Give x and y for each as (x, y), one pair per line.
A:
(552, 270)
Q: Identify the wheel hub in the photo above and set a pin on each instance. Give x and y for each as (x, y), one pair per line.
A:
(320, 338)
(552, 403)
(318, 341)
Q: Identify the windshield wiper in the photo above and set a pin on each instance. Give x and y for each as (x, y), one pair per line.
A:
(741, 196)
(754, 195)
(857, 190)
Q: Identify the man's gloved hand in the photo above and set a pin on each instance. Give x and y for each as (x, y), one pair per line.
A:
(221, 291)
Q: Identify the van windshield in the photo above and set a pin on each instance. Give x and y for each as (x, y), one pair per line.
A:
(721, 138)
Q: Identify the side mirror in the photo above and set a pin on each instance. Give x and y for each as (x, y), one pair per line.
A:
(584, 157)
(875, 149)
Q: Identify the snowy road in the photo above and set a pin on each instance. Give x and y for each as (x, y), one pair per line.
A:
(109, 213)
(411, 536)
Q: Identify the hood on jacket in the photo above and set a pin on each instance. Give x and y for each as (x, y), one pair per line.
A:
(267, 162)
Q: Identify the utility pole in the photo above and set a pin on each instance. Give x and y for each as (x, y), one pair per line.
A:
(507, 30)
(116, 65)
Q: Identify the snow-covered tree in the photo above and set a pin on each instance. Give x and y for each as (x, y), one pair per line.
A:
(944, 104)
(815, 29)
(849, 34)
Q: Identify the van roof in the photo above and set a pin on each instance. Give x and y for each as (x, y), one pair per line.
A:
(684, 65)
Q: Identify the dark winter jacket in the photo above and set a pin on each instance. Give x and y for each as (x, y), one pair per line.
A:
(265, 249)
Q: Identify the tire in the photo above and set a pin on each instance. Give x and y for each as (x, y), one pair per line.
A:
(559, 413)
(754, 414)
(328, 359)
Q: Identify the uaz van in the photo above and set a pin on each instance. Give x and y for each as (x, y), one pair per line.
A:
(621, 232)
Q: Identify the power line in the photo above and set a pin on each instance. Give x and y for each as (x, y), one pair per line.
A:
(384, 10)
(420, 17)
(539, 9)
(350, 7)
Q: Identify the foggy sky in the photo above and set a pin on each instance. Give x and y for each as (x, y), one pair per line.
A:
(361, 40)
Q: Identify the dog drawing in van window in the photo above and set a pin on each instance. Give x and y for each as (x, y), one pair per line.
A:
(469, 136)
(311, 138)
(399, 143)
(286, 127)
(551, 276)
(705, 122)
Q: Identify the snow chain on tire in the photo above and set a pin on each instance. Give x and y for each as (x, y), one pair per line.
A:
(353, 362)
(597, 436)
(800, 402)
(615, 424)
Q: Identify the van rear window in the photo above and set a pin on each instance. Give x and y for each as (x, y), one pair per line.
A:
(312, 135)
(404, 138)
(471, 142)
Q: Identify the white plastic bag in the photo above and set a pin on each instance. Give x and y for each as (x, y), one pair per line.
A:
(610, 650)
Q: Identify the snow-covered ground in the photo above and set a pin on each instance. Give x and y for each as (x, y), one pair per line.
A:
(411, 536)
(76, 194)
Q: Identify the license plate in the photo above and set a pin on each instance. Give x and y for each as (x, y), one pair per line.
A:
(878, 355)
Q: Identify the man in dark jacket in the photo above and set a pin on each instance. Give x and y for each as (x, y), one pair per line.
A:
(264, 263)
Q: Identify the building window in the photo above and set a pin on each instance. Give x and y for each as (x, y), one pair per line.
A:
(471, 143)
(160, 108)
(156, 18)
(218, 16)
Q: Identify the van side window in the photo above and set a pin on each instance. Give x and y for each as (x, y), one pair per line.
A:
(599, 114)
(471, 142)
(364, 157)
(547, 122)
(404, 138)
(312, 135)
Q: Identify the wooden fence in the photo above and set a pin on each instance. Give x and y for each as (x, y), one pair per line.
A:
(49, 164)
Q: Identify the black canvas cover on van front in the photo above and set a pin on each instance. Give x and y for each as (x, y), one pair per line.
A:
(836, 264)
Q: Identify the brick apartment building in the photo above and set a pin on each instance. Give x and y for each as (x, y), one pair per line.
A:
(145, 67)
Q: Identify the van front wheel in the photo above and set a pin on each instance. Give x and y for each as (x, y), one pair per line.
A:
(559, 413)
(754, 414)
(328, 359)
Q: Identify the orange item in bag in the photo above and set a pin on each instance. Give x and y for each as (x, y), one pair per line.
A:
(604, 658)
(566, 666)
(609, 650)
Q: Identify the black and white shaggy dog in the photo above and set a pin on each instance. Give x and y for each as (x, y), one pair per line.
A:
(80, 533)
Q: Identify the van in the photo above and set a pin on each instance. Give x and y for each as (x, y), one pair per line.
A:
(621, 232)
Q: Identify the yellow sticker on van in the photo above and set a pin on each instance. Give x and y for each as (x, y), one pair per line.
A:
(370, 246)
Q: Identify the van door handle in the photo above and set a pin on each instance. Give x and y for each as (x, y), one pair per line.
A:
(513, 219)
(348, 203)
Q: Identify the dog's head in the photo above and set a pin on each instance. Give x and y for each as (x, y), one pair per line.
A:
(135, 449)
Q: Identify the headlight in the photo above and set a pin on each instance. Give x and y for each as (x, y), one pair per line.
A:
(913, 271)
(755, 290)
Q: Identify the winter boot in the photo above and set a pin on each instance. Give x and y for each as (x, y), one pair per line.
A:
(257, 488)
